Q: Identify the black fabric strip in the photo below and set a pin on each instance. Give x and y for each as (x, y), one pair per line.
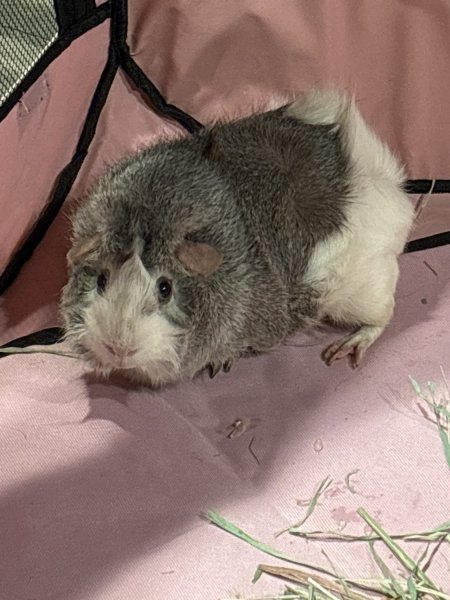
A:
(432, 241)
(65, 16)
(67, 175)
(45, 337)
(97, 16)
(137, 75)
(158, 103)
(119, 22)
(70, 12)
(424, 186)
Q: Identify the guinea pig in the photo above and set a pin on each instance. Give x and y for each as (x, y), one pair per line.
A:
(195, 251)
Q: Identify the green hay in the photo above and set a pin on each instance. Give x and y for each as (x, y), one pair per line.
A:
(396, 550)
(329, 586)
(434, 535)
(316, 583)
(222, 523)
(323, 486)
(440, 411)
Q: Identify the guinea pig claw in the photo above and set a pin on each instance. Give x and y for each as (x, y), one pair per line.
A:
(213, 369)
(226, 367)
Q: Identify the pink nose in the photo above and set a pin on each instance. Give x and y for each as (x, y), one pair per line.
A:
(120, 351)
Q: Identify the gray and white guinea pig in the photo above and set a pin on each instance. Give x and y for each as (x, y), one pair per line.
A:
(192, 252)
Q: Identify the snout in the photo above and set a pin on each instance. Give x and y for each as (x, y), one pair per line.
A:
(120, 351)
(113, 354)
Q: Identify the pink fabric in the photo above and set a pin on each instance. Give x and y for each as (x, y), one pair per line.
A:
(102, 484)
(395, 56)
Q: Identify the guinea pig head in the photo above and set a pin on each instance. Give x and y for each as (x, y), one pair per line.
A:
(127, 314)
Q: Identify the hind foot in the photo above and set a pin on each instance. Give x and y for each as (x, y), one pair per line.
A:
(353, 345)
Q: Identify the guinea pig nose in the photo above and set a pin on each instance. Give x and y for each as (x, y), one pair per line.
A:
(121, 351)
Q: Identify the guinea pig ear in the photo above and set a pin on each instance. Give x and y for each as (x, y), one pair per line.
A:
(198, 257)
(82, 250)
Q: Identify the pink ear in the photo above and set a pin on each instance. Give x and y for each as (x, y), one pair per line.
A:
(82, 250)
(199, 258)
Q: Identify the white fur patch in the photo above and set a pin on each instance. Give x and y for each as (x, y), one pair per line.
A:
(357, 269)
(127, 317)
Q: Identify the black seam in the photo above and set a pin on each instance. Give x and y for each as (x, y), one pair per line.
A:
(427, 186)
(426, 243)
(156, 100)
(154, 96)
(44, 337)
(70, 12)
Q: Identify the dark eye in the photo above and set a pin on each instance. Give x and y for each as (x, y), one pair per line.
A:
(164, 288)
(102, 280)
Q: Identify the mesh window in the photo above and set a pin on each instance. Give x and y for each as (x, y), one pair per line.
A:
(27, 29)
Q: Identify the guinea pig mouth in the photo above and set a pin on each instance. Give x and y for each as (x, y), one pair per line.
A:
(152, 374)
(131, 362)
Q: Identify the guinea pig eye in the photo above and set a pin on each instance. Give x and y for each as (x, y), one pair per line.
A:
(102, 280)
(164, 289)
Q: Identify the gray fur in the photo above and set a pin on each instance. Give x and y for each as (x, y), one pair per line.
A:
(264, 191)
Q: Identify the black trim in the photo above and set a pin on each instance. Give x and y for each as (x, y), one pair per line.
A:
(426, 243)
(45, 337)
(119, 29)
(425, 186)
(67, 175)
(71, 12)
(156, 100)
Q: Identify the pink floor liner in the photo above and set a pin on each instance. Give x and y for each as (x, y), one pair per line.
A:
(102, 485)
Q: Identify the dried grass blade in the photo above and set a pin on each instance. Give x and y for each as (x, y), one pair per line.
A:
(347, 480)
(311, 506)
(439, 411)
(298, 576)
(427, 565)
(221, 522)
(433, 535)
(396, 586)
(398, 552)
(323, 590)
(412, 589)
(433, 593)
